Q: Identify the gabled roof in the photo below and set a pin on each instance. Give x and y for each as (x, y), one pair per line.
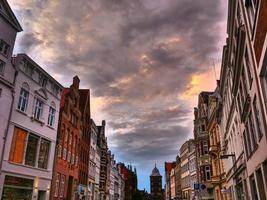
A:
(8, 15)
(84, 98)
(169, 166)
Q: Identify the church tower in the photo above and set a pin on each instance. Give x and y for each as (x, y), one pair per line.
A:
(156, 184)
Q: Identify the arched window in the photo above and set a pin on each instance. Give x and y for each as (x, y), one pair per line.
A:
(23, 97)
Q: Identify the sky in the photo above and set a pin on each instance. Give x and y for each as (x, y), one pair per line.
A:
(145, 61)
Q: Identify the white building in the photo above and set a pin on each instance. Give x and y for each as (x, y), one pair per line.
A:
(30, 146)
(92, 162)
(97, 173)
(192, 167)
(9, 27)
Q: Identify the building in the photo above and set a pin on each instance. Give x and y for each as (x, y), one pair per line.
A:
(243, 92)
(9, 27)
(177, 171)
(156, 184)
(102, 144)
(185, 173)
(192, 167)
(168, 168)
(201, 136)
(97, 173)
(66, 170)
(130, 181)
(28, 157)
(84, 189)
(172, 183)
(213, 127)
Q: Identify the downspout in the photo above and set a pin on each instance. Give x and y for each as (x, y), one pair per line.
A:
(8, 122)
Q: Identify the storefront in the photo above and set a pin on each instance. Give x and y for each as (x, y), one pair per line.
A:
(17, 188)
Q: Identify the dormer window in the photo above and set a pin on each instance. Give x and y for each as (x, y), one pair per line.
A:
(27, 67)
(4, 48)
(42, 80)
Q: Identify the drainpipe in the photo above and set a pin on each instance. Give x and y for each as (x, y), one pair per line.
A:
(8, 122)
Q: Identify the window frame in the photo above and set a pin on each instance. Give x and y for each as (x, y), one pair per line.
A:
(23, 99)
(2, 67)
(40, 109)
(51, 116)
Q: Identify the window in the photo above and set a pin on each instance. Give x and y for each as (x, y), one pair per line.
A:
(70, 139)
(257, 117)
(59, 151)
(18, 145)
(253, 187)
(4, 48)
(42, 80)
(205, 148)
(69, 156)
(64, 154)
(252, 132)
(23, 100)
(51, 116)
(31, 151)
(57, 184)
(208, 172)
(252, 7)
(24, 150)
(62, 186)
(38, 109)
(43, 154)
(66, 136)
(2, 66)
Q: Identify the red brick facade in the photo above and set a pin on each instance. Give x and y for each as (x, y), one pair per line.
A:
(65, 177)
(84, 140)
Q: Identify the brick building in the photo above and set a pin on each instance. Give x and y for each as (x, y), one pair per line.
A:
(66, 170)
(84, 142)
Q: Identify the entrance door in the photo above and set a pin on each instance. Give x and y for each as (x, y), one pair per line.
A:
(70, 188)
(41, 195)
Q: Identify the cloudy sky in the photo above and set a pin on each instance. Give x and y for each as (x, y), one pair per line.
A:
(145, 61)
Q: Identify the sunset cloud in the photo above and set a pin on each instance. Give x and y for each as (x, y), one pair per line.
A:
(144, 61)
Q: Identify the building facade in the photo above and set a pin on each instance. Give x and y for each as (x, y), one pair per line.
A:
(204, 169)
(66, 169)
(185, 173)
(9, 27)
(28, 159)
(213, 127)
(177, 170)
(168, 167)
(84, 189)
(244, 112)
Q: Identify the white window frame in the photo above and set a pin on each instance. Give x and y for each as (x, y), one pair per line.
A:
(57, 185)
(51, 116)
(62, 185)
(23, 99)
(39, 108)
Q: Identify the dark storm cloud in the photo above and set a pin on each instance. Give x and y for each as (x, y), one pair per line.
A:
(139, 56)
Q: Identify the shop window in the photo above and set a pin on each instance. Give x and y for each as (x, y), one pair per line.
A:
(18, 145)
(31, 152)
(43, 154)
